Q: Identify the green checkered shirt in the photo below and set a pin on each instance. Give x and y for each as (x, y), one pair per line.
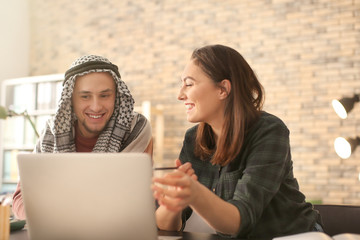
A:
(259, 181)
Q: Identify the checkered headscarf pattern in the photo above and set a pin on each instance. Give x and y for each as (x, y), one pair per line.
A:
(119, 125)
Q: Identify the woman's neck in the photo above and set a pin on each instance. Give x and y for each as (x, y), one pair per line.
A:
(217, 129)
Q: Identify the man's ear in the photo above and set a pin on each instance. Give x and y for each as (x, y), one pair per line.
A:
(225, 88)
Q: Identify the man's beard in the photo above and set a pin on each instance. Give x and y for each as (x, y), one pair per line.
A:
(89, 130)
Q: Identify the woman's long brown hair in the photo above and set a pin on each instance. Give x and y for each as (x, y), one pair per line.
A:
(243, 104)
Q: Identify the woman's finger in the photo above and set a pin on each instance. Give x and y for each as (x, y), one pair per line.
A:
(164, 198)
(171, 175)
(174, 180)
(194, 177)
(173, 204)
(185, 167)
(190, 172)
(157, 192)
(177, 163)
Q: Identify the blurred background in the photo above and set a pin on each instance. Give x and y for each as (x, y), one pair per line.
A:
(305, 53)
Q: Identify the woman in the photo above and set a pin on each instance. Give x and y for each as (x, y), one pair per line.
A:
(235, 167)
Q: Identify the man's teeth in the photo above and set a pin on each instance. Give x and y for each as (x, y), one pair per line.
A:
(95, 116)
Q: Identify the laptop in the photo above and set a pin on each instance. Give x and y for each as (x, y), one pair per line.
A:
(88, 195)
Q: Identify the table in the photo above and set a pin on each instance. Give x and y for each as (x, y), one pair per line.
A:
(22, 235)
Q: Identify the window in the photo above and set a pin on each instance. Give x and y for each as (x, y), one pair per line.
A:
(38, 96)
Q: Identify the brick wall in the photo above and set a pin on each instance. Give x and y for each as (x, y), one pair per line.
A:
(305, 53)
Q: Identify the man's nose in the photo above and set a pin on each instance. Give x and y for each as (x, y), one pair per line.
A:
(96, 104)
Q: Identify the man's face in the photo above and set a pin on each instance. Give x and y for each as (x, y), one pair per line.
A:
(93, 102)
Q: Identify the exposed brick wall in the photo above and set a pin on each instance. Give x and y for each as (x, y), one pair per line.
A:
(305, 53)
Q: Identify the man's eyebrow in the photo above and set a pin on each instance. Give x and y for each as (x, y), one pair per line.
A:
(107, 90)
(103, 91)
(83, 92)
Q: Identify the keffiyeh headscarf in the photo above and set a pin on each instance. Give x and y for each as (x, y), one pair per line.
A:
(59, 135)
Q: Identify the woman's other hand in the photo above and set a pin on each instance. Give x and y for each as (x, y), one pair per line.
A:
(178, 189)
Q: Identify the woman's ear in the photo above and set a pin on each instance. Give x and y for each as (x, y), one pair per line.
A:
(225, 88)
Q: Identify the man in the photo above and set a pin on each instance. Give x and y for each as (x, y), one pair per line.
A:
(95, 114)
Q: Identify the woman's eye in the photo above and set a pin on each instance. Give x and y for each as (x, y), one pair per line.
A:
(186, 83)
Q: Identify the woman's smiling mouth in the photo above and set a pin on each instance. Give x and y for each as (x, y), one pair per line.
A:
(189, 106)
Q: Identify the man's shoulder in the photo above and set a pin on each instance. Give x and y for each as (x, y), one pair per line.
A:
(48, 130)
(140, 122)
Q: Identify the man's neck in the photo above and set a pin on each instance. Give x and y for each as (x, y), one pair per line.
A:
(82, 143)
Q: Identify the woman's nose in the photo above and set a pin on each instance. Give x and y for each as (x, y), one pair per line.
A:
(181, 95)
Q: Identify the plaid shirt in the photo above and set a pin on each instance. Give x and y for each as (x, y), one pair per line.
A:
(259, 181)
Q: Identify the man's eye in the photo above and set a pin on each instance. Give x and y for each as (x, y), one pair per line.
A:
(104, 95)
(84, 97)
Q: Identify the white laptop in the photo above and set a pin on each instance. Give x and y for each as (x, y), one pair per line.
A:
(88, 196)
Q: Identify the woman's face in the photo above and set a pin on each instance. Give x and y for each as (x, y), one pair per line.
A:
(201, 96)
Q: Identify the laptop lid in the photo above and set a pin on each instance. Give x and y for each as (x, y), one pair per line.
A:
(88, 195)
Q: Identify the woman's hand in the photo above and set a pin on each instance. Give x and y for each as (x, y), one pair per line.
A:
(179, 188)
(186, 168)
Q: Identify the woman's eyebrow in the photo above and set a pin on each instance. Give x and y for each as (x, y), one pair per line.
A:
(188, 77)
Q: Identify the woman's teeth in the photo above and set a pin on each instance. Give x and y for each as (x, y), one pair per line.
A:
(189, 106)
